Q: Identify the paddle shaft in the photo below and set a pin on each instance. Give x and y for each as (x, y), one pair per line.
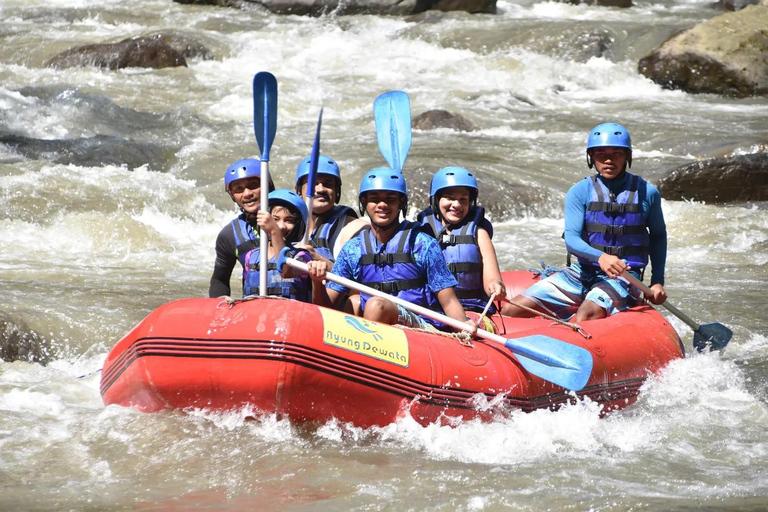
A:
(264, 124)
(263, 240)
(672, 309)
(311, 180)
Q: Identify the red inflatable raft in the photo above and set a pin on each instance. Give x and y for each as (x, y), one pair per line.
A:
(313, 364)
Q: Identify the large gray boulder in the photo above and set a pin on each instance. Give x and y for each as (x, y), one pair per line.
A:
(719, 180)
(189, 47)
(142, 52)
(726, 55)
(343, 7)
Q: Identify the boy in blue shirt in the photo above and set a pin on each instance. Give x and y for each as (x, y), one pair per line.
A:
(394, 257)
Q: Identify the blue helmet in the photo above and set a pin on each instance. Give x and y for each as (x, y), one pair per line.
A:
(325, 165)
(283, 196)
(383, 178)
(453, 176)
(246, 168)
(609, 135)
(294, 202)
(447, 177)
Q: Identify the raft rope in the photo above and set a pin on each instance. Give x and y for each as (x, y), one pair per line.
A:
(229, 300)
(575, 327)
(462, 337)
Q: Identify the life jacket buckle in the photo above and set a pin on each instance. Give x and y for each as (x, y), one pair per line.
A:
(449, 239)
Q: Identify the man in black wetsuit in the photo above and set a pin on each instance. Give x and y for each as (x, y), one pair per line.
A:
(242, 181)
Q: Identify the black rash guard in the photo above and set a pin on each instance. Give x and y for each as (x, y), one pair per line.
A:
(226, 258)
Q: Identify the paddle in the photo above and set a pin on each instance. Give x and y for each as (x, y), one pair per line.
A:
(265, 126)
(392, 116)
(713, 335)
(311, 177)
(551, 359)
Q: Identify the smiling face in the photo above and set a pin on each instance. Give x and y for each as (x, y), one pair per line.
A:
(454, 204)
(383, 206)
(609, 161)
(326, 193)
(246, 194)
(284, 219)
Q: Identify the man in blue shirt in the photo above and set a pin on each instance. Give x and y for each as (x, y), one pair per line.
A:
(613, 224)
(393, 257)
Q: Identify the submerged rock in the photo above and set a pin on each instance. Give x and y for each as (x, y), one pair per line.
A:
(92, 151)
(725, 55)
(432, 119)
(188, 47)
(142, 52)
(719, 180)
(20, 343)
(735, 5)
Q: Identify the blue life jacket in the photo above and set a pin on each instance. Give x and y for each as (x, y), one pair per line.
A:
(392, 269)
(324, 237)
(246, 238)
(277, 286)
(616, 224)
(462, 255)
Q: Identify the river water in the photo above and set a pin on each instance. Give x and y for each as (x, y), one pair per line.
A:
(112, 205)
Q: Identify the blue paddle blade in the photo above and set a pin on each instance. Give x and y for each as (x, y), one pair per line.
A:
(554, 360)
(714, 336)
(313, 159)
(264, 111)
(392, 115)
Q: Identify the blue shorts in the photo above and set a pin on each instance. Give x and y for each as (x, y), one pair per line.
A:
(411, 319)
(562, 293)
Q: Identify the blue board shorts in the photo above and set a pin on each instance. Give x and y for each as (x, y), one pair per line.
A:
(411, 319)
(562, 293)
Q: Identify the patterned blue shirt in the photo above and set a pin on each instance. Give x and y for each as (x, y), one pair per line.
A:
(426, 252)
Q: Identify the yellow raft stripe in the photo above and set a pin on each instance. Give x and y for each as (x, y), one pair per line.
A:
(364, 337)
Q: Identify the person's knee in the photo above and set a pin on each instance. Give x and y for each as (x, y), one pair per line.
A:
(352, 305)
(380, 310)
(589, 311)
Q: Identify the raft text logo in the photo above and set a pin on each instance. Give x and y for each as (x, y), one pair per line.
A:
(364, 337)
